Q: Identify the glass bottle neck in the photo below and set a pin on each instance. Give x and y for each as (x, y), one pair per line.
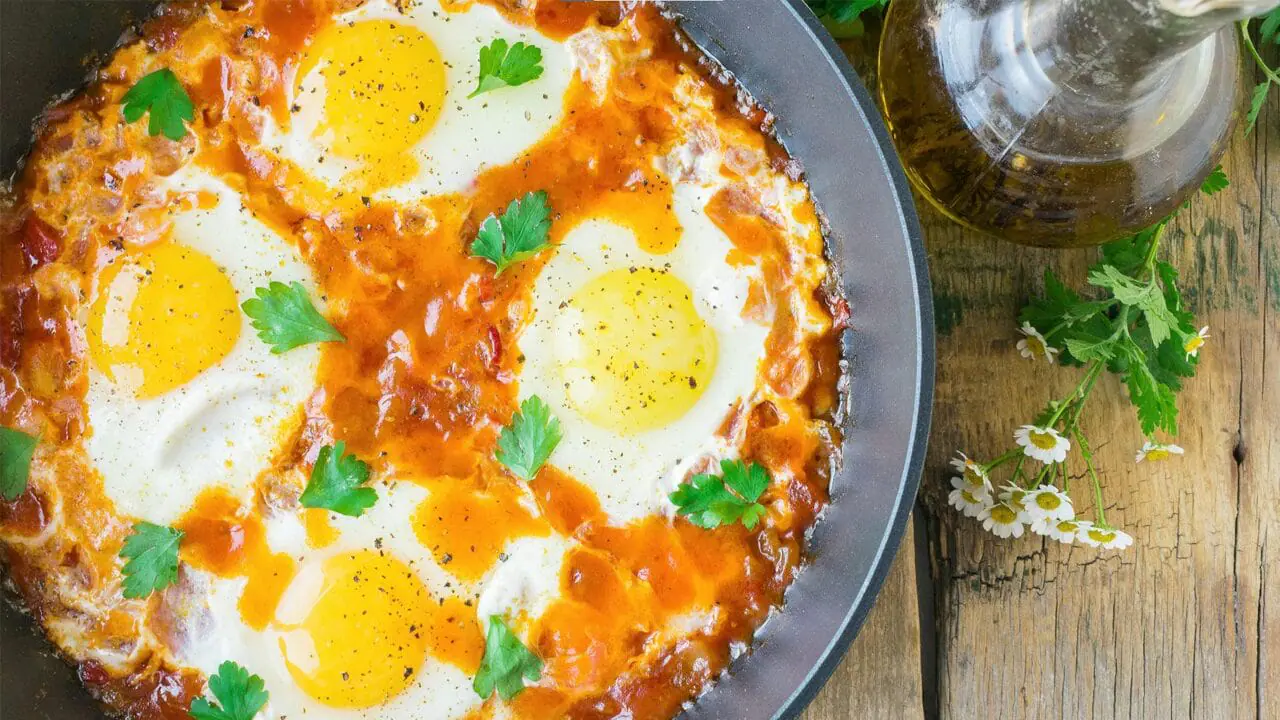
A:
(1120, 48)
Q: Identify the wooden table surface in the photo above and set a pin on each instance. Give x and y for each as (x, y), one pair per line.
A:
(1184, 624)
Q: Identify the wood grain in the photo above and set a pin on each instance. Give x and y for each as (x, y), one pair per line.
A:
(880, 676)
(1186, 624)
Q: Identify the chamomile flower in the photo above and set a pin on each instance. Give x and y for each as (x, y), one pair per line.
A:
(1002, 520)
(1048, 503)
(971, 473)
(1157, 451)
(1195, 342)
(1043, 444)
(1102, 537)
(1015, 497)
(1034, 346)
(1064, 531)
(967, 499)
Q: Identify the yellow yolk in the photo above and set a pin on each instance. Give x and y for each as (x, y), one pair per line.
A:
(163, 315)
(384, 86)
(363, 642)
(643, 355)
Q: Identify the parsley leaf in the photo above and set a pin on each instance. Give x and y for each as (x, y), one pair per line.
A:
(152, 554)
(525, 444)
(1269, 28)
(1216, 182)
(336, 483)
(518, 235)
(285, 318)
(502, 66)
(16, 449)
(162, 95)
(507, 663)
(843, 11)
(240, 695)
(710, 501)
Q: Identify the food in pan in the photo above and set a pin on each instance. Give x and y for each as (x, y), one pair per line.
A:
(409, 360)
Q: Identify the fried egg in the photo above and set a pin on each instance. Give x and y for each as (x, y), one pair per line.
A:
(182, 394)
(368, 625)
(642, 353)
(381, 106)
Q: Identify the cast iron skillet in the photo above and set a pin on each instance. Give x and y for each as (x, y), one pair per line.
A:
(826, 119)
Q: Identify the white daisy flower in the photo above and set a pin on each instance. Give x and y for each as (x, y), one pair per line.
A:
(968, 500)
(1195, 342)
(1015, 497)
(971, 473)
(1106, 538)
(1157, 451)
(1064, 531)
(1048, 503)
(1043, 444)
(1034, 346)
(1002, 520)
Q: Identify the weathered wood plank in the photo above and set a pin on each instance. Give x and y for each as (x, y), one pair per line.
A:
(880, 677)
(1186, 624)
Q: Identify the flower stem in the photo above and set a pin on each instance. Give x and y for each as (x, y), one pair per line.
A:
(1011, 454)
(1253, 50)
(1093, 475)
(1150, 260)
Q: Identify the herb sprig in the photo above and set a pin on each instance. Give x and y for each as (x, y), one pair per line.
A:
(151, 552)
(285, 317)
(161, 95)
(1268, 29)
(503, 65)
(240, 695)
(506, 664)
(518, 235)
(710, 501)
(16, 450)
(526, 443)
(337, 483)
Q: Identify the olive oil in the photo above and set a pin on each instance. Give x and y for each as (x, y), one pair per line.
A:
(1060, 122)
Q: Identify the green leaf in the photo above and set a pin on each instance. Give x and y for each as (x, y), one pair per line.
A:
(162, 95)
(1216, 182)
(16, 449)
(525, 444)
(1269, 28)
(239, 694)
(516, 236)
(1047, 311)
(844, 11)
(285, 317)
(1155, 402)
(1129, 255)
(1255, 105)
(1086, 348)
(502, 66)
(710, 501)
(506, 664)
(337, 483)
(152, 554)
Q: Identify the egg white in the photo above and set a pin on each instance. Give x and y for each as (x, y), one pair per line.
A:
(633, 474)
(491, 129)
(155, 455)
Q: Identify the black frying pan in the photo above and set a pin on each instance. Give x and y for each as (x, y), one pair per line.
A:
(827, 121)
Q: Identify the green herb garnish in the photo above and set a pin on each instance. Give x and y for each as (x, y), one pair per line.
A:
(507, 66)
(161, 94)
(285, 317)
(337, 483)
(507, 663)
(710, 501)
(152, 554)
(239, 694)
(518, 235)
(16, 449)
(525, 444)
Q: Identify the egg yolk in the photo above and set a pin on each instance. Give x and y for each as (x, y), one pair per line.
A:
(363, 640)
(164, 314)
(635, 354)
(384, 86)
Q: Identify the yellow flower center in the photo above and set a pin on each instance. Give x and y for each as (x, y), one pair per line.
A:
(1101, 536)
(1067, 526)
(1158, 454)
(1003, 514)
(968, 497)
(972, 476)
(1035, 346)
(1193, 344)
(1048, 501)
(1043, 440)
